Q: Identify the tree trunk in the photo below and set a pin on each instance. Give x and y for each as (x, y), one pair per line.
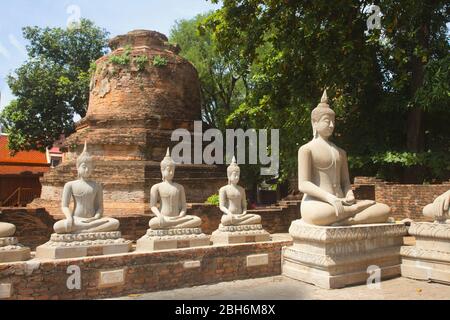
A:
(415, 133)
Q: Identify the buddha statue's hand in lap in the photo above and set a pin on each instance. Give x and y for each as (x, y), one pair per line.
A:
(87, 215)
(324, 179)
(233, 202)
(439, 210)
(171, 213)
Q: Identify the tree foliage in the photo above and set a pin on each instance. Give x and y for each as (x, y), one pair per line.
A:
(222, 88)
(389, 87)
(52, 86)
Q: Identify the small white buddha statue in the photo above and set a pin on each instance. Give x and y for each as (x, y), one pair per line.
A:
(171, 213)
(87, 215)
(439, 210)
(233, 202)
(323, 177)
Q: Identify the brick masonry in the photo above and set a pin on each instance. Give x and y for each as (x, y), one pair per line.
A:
(408, 200)
(405, 200)
(133, 273)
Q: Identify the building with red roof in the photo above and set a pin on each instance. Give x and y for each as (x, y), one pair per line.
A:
(19, 174)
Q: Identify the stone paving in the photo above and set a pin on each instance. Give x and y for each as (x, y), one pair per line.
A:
(283, 288)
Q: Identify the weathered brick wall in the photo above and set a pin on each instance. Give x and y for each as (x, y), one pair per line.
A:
(33, 226)
(408, 200)
(142, 272)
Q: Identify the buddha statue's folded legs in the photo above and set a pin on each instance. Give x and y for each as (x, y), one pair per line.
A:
(362, 212)
(178, 222)
(83, 225)
(240, 219)
(7, 229)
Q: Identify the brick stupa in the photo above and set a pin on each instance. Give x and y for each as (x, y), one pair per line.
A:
(133, 109)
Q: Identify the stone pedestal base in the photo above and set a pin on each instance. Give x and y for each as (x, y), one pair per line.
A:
(239, 234)
(335, 257)
(172, 239)
(65, 246)
(429, 259)
(11, 250)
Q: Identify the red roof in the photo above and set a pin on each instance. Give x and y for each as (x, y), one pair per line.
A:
(23, 161)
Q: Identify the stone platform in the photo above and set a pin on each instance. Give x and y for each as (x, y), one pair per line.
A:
(11, 250)
(239, 234)
(335, 257)
(65, 246)
(155, 240)
(429, 259)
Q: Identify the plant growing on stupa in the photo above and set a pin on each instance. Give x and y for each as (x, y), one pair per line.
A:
(159, 61)
(141, 62)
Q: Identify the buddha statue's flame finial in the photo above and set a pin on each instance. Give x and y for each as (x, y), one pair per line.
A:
(324, 98)
(233, 166)
(84, 156)
(167, 160)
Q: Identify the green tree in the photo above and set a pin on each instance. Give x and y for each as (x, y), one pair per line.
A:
(52, 86)
(295, 49)
(222, 89)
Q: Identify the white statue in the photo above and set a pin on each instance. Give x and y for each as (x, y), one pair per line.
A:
(87, 215)
(7, 230)
(171, 197)
(324, 179)
(439, 210)
(233, 202)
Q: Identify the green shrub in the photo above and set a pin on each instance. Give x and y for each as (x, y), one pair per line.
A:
(123, 59)
(141, 62)
(159, 61)
(214, 199)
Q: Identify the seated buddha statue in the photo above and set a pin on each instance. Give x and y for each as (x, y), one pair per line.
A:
(87, 215)
(171, 213)
(233, 202)
(7, 230)
(439, 210)
(323, 177)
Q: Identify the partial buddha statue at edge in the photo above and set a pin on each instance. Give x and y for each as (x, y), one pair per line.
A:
(7, 229)
(439, 210)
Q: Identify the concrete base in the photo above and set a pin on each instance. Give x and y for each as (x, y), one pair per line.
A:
(11, 250)
(239, 234)
(83, 245)
(335, 257)
(156, 240)
(429, 259)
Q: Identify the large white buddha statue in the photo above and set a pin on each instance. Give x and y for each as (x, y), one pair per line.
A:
(323, 177)
(439, 210)
(171, 198)
(233, 202)
(87, 215)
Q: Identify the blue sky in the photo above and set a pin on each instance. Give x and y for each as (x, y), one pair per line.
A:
(116, 16)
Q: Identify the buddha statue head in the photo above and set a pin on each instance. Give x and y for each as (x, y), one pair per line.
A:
(323, 118)
(167, 167)
(85, 165)
(233, 172)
